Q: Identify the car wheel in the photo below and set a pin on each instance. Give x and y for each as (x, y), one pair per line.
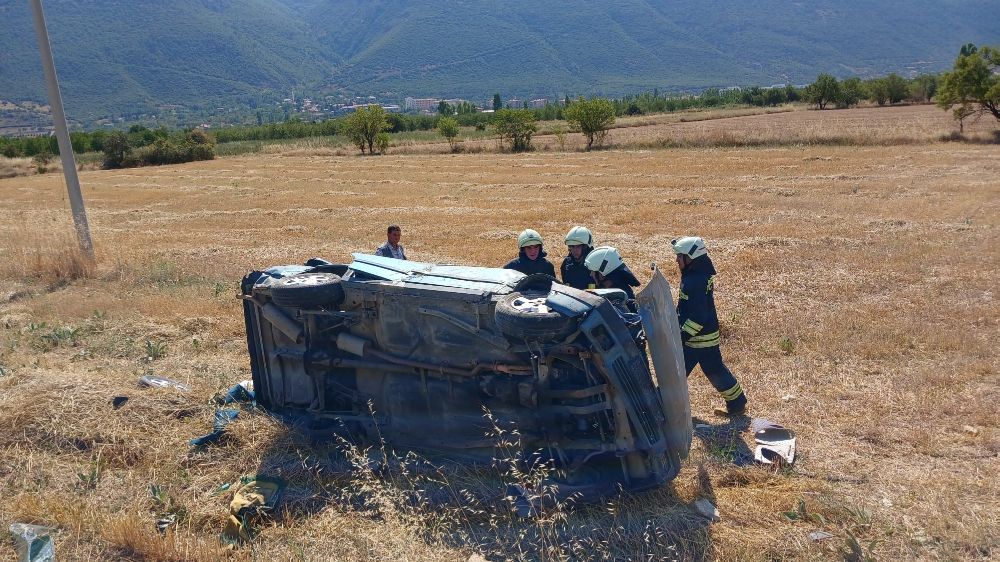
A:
(525, 316)
(308, 290)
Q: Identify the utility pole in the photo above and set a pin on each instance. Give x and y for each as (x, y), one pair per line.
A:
(62, 134)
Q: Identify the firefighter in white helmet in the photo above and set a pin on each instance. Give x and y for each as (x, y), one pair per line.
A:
(531, 256)
(700, 323)
(574, 272)
(609, 271)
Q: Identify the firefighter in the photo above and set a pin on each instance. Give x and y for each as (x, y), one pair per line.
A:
(531, 256)
(700, 324)
(574, 272)
(610, 272)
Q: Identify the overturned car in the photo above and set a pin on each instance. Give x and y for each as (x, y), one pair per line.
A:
(433, 358)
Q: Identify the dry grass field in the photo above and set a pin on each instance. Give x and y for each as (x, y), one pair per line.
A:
(858, 295)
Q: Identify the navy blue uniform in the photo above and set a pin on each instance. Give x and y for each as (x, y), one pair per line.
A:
(575, 273)
(524, 265)
(621, 278)
(700, 331)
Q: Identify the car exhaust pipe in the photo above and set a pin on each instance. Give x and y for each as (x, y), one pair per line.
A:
(282, 322)
(351, 344)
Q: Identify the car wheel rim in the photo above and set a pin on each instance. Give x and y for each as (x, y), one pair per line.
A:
(305, 280)
(531, 306)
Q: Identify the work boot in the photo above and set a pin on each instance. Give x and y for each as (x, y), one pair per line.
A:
(736, 407)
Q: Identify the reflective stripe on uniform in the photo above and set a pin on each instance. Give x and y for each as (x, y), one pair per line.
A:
(701, 344)
(710, 285)
(705, 337)
(733, 393)
(691, 327)
(682, 296)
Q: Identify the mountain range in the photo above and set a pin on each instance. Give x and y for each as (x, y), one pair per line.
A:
(116, 57)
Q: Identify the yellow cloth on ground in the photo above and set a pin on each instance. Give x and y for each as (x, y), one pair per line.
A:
(254, 496)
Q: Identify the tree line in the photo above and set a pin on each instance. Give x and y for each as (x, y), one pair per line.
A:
(971, 88)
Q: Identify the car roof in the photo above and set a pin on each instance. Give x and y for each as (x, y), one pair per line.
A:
(487, 279)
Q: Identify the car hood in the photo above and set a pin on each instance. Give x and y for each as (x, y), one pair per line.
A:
(659, 321)
(487, 279)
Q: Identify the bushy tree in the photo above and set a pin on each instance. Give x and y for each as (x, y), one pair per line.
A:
(823, 91)
(497, 102)
(116, 149)
(364, 125)
(593, 117)
(972, 87)
(851, 93)
(444, 108)
(448, 127)
(923, 87)
(877, 90)
(515, 127)
(896, 88)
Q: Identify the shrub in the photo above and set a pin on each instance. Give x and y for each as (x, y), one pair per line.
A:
(11, 151)
(515, 127)
(593, 118)
(382, 142)
(116, 150)
(120, 152)
(448, 127)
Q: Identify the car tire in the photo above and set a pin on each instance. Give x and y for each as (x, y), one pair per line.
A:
(517, 316)
(306, 290)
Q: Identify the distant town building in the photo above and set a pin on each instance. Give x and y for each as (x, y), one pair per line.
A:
(26, 131)
(538, 103)
(421, 104)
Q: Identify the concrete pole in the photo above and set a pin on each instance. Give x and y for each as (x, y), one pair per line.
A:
(62, 134)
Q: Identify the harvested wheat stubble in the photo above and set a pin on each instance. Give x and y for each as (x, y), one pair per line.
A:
(860, 281)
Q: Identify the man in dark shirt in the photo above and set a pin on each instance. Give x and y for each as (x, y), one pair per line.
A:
(531, 257)
(700, 323)
(392, 248)
(579, 243)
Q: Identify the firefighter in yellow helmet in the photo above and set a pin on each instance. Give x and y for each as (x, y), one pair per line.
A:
(700, 323)
(574, 272)
(531, 256)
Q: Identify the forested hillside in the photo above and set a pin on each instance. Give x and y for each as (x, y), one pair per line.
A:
(116, 57)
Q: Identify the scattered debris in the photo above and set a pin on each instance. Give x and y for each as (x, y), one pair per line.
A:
(254, 497)
(973, 431)
(118, 401)
(34, 542)
(787, 397)
(152, 381)
(708, 510)
(241, 392)
(476, 558)
(775, 443)
(164, 523)
(222, 418)
(167, 512)
(818, 536)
